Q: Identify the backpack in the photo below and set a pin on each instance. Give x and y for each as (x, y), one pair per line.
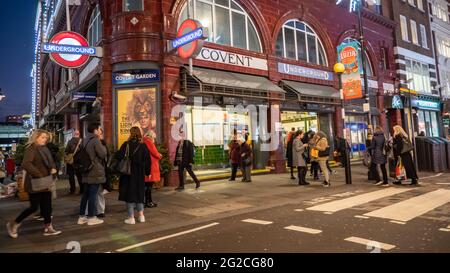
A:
(82, 162)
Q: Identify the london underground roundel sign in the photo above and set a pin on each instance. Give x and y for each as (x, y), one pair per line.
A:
(69, 49)
(189, 39)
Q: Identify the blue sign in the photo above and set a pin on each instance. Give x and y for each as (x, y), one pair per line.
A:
(81, 96)
(188, 38)
(306, 72)
(397, 102)
(69, 49)
(427, 105)
(144, 76)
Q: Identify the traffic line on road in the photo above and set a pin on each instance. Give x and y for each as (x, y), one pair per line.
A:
(299, 210)
(413, 207)
(371, 243)
(397, 222)
(304, 229)
(166, 237)
(442, 183)
(361, 217)
(259, 222)
(445, 229)
(357, 200)
(432, 176)
(328, 212)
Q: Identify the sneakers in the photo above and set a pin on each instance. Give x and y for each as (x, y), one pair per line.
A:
(379, 183)
(130, 221)
(141, 219)
(94, 221)
(385, 185)
(326, 184)
(50, 231)
(11, 227)
(82, 220)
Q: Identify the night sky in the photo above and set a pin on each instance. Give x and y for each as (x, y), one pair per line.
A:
(16, 55)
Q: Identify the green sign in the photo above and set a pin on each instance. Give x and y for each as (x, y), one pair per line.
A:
(446, 120)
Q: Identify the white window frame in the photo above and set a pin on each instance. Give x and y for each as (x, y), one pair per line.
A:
(411, 74)
(124, 6)
(411, 3)
(230, 13)
(420, 5)
(414, 34)
(423, 36)
(404, 28)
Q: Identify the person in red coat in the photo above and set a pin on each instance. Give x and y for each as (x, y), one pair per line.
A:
(154, 176)
(10, 166)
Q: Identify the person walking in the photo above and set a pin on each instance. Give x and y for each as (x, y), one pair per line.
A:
(184, 158)
(246, 160)
(321, 145)
(38, 164)
(132, 187)
(402, 147)
(289, 151)
(93, 177)
(313, 137)
(299, 159)
(234, 155)
(155, 175)
(73, 146)
(379, 158)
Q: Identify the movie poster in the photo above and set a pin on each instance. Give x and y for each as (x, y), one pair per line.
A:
(135, 107)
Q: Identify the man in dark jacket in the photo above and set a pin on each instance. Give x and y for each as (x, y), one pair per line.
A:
(72, 147)
(95, 176)
(184, 157)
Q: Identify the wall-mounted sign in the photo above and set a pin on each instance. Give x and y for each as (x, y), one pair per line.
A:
(348, 54)
(143, 76)
(305, 72)
(446, 120)
(84, 96)
(189, 39)
(427, 105)
(397, 102)
(224, 57)
(406, 90)
(69, 49)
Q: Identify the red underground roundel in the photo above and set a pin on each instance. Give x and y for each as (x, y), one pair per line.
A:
(69, 60)
(192, 49)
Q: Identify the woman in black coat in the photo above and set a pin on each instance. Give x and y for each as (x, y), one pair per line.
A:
(132, 187)
(289, 154)
(378, 154)
(402, 148)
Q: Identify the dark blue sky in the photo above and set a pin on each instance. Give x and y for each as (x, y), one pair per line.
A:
(16, 55)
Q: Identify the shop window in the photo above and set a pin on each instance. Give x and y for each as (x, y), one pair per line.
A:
(227, 22)
(419, 75)
(133, 5)
(95, 30)
(298, 41)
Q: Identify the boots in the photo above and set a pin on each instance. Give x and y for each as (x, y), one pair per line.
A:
(148, 198)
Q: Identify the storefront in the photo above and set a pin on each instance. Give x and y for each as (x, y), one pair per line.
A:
(427, 117)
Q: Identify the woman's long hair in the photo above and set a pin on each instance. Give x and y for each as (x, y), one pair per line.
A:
(398, 130)
(36, 134)
(135, 134)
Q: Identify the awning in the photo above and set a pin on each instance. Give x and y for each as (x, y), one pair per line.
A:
(226, 83)
(358, 109)
(313, 93)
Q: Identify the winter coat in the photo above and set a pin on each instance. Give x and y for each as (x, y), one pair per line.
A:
(132, 187)
(97, 153)
(298, 150)
(376, 148)
(10, 166)
(398, 145)
(72, 145)
(322, 145)
(289, 151)
(187, 157)
(155, 175)
(35, 165)
(235, 155)
(247, 150)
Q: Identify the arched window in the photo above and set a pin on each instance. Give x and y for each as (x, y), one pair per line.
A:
(95, 30)
(298, 41)
(369, 70)
(227, 22)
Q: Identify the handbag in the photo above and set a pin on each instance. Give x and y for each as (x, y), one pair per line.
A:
(407, 146)
(325, 153)
(68, 158)
(124, 166)
(46, 183)
(314, 153)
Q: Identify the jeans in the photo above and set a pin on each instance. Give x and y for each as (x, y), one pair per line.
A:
(384, 171)
(89, 196)
(131, 206)
(246, 173)
(323, 167)
(42, 200)
(101, 203)
(302, 174)
(71, 173)
(315, 169)
(234, 169)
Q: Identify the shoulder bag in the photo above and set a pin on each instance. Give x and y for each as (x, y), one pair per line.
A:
(124, 166)
(42, 184)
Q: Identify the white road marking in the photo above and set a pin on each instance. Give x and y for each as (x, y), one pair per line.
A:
(444, 229)
(259, 222)
(299, 210)
(166, 237)
(448, 226)
(328, 212)
(304, 229)
(362, 217)
(367, 242)
(413, 207)
(432, 176)
(357, 200)
(443, 183)
(397, 222)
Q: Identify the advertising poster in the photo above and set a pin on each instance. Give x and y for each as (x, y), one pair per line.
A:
(348, 54)
(135, 107)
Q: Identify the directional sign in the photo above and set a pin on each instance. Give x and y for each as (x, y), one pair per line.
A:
(69, 49)
(189, 39)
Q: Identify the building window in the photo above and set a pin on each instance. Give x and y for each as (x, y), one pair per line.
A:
(298, 41)
(423, 36)
(95, 30)
(404, 28)
(420, 5)
(440, 10)
(415, 38)
(411, 2)
(227, 22)
(133, 5)
(419, 75)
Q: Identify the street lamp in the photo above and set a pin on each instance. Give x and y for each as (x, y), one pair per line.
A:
(339, 68)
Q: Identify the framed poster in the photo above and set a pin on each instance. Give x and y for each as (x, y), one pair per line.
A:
(136, 107)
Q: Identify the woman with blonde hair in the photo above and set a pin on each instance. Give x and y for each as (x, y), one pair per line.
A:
(39, 181)
(321, 145)
(402, 148)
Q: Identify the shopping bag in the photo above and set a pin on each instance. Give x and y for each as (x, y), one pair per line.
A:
(400, 170)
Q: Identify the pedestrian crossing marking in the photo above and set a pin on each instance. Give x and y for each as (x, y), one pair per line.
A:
(259, 222)
(444, 229)
(361, 217)
(443, 183)
(397, 222)
(357, 200)
(299, 210)
(304, 229)
(328, 212)
(367, 242)
(413, 207)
